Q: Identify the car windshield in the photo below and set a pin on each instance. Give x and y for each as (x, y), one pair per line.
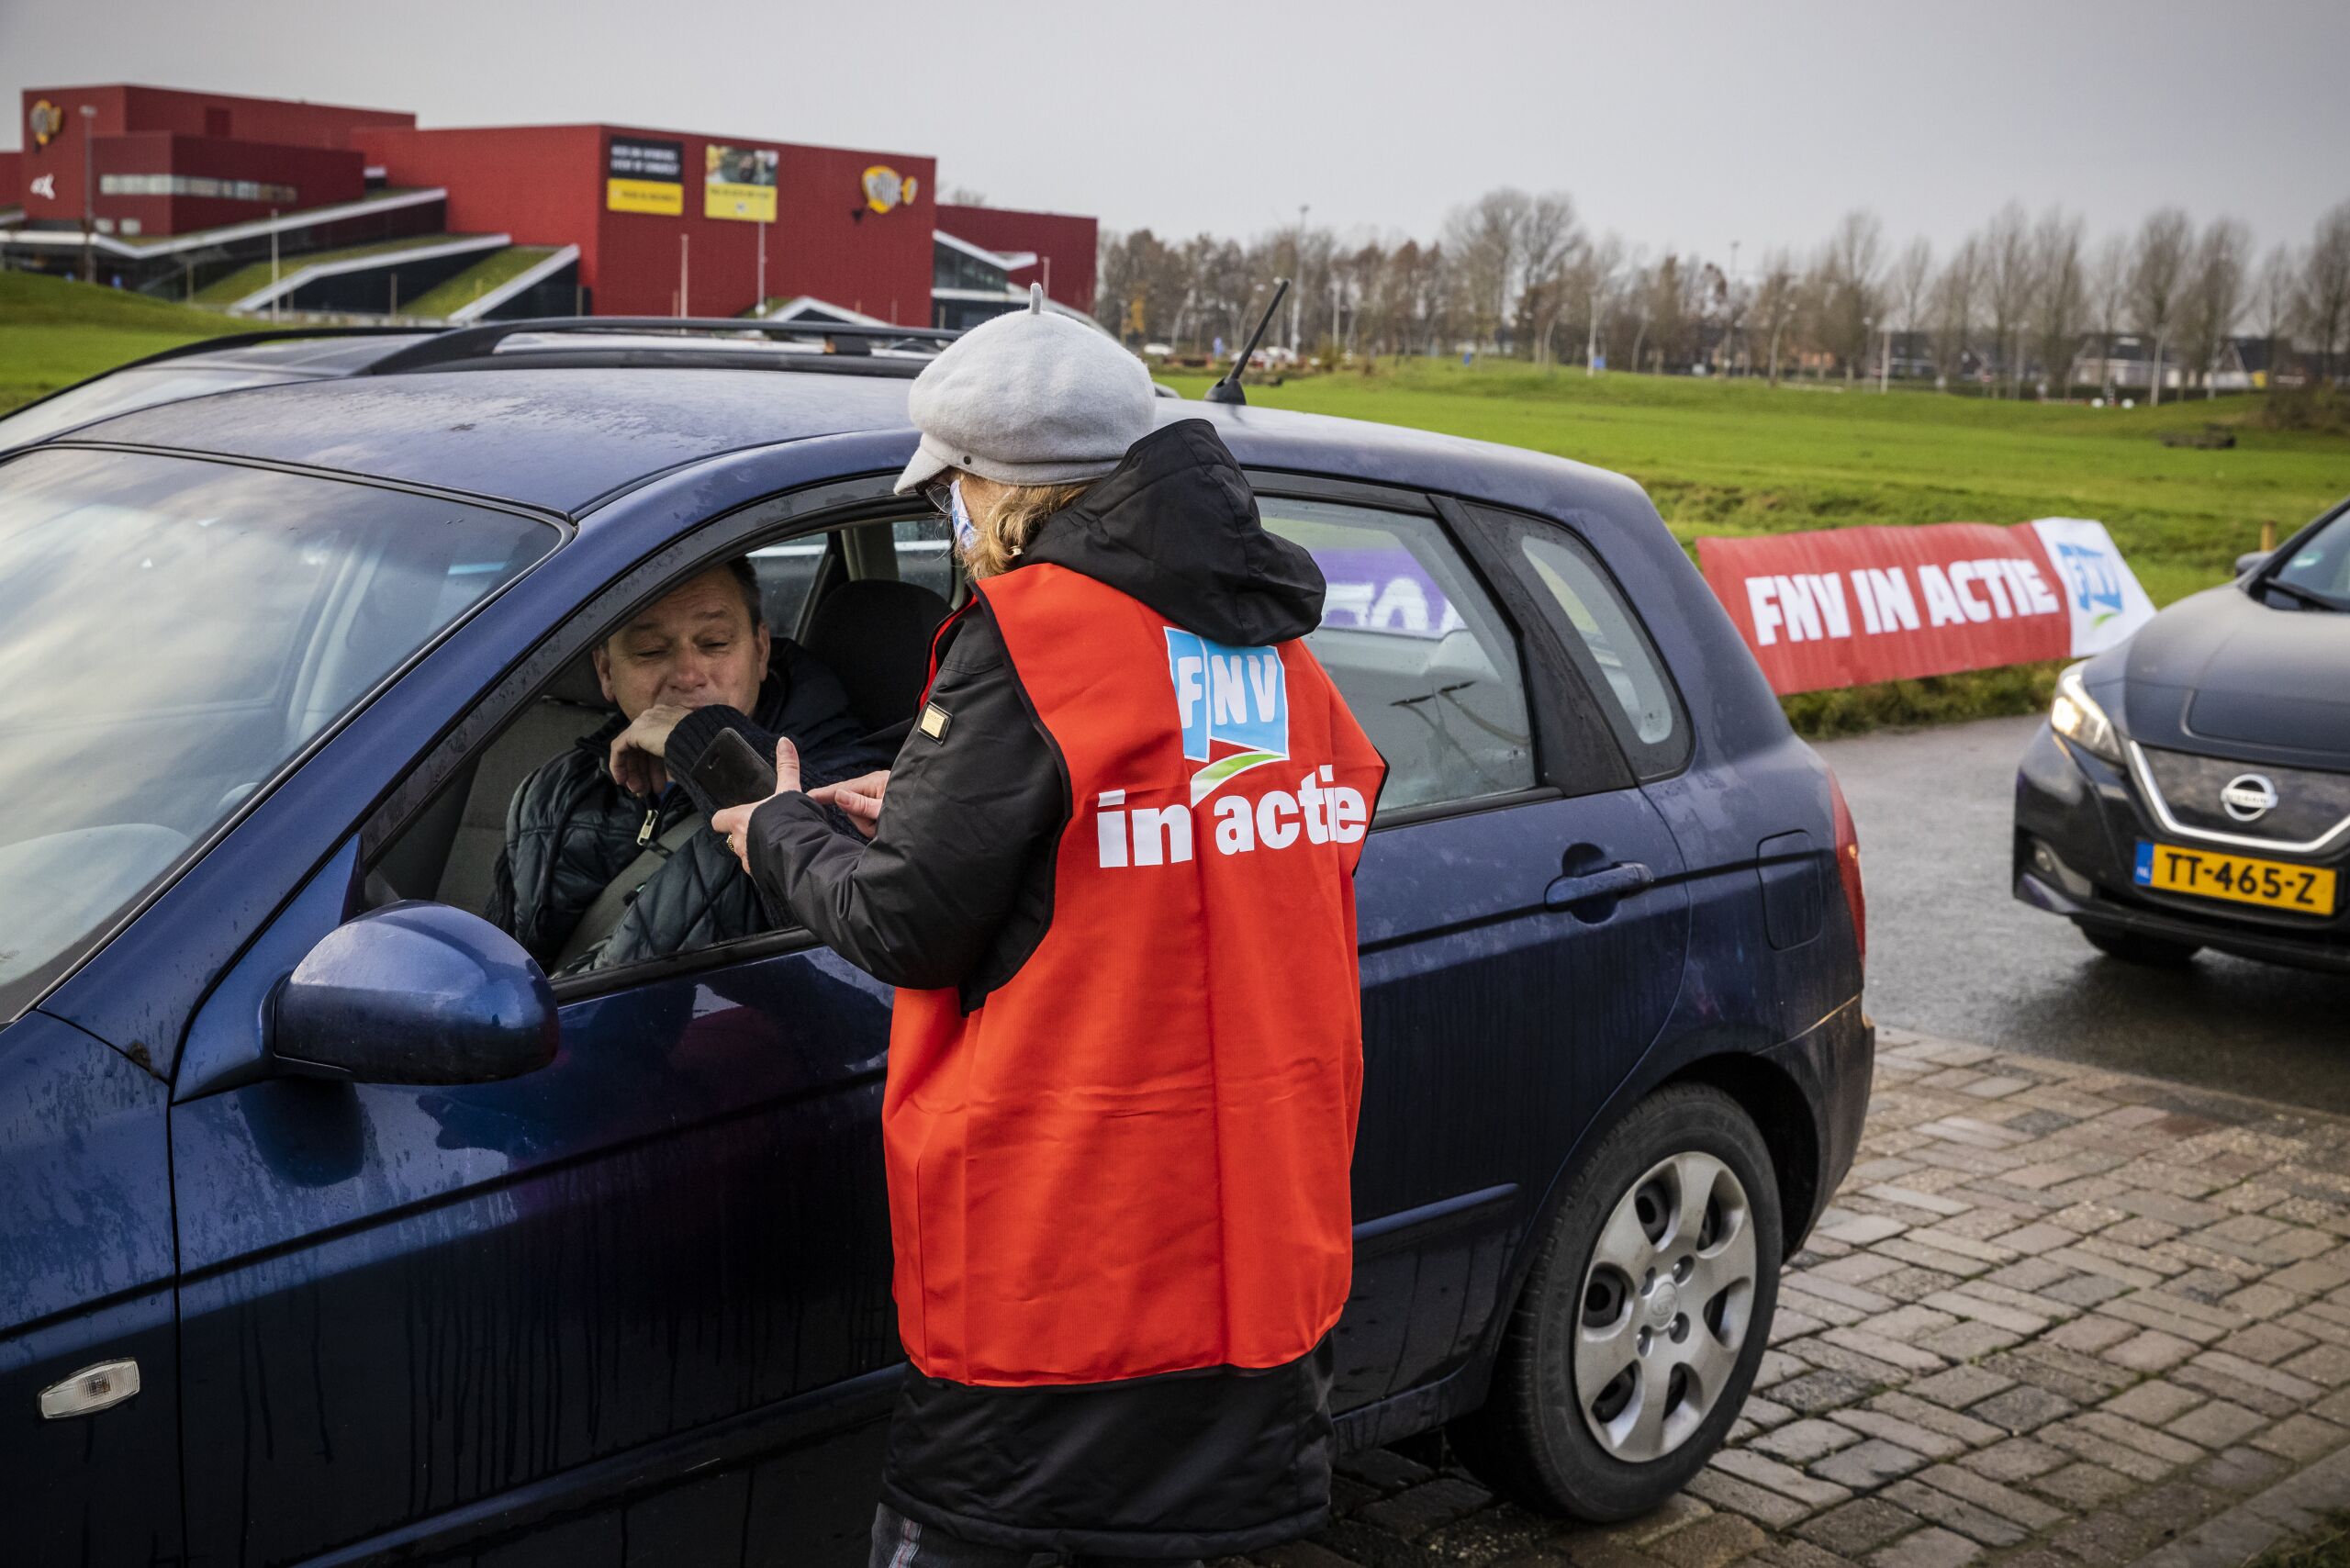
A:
(2319, 569)
(122, 392)
(175, 631)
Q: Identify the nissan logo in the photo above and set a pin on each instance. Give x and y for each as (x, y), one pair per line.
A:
(2248, 796)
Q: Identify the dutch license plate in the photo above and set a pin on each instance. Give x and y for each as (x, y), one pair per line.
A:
(2273, 884)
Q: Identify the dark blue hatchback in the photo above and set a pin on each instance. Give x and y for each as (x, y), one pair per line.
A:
(331, 1231)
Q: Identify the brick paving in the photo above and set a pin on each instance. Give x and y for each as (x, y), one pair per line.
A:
(2056, 1317)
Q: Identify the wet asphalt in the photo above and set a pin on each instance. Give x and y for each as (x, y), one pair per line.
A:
(1950, 953)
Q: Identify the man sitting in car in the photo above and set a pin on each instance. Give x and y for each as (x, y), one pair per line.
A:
(619, 813)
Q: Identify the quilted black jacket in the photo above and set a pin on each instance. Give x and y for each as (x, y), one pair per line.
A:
(571, 828)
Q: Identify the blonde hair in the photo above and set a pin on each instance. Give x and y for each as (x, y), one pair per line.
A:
(1012, 523)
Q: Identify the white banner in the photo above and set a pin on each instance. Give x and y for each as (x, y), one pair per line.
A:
(2100, 590)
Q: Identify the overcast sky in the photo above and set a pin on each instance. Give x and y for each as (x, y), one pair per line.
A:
(1690, 124)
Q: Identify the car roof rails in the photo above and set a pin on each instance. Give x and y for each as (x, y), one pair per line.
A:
(461, 345)
(271, 335)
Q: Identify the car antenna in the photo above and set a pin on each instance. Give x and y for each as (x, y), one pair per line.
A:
(1227, 390)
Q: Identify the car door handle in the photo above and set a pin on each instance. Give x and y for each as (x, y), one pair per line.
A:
(1589, 887)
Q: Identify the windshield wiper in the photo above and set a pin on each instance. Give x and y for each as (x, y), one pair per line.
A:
(2314, 600)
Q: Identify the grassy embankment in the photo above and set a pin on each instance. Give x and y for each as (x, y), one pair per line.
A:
(227, 290)
(498, 267)
(54, 333)
(1729, 458)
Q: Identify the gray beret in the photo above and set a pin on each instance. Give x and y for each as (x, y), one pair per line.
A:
(1030, 397)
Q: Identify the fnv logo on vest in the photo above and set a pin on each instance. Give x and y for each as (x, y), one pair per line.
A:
(1233, 705)
(1232, 708)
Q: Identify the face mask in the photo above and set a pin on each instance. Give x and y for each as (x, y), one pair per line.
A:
(967, 536)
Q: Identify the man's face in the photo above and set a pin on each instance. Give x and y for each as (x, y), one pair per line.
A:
(692, 649)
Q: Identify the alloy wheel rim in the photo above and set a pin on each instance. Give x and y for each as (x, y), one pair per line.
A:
(1667, 1303)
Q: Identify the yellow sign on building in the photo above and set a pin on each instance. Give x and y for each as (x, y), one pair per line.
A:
(738, 183)
(642, 176)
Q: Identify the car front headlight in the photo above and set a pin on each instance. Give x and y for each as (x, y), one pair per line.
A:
(2077, 716)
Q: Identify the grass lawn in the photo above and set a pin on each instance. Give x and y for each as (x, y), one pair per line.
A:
(53, 333)
(1737, 457)
(498, 267)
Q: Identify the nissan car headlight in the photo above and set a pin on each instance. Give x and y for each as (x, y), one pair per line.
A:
(2077, 716)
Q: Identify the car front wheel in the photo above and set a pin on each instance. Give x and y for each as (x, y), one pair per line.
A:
(1636, 1336)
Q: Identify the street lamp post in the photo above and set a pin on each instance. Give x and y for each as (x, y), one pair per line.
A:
(272, 264)
(1297, 266)
(89, 200)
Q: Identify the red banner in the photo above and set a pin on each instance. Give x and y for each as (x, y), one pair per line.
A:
(1851, 606)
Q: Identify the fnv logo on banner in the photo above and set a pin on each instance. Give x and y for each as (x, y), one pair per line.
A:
(1851, 606)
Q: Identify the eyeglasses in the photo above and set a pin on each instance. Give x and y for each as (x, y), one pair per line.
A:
(940, 493)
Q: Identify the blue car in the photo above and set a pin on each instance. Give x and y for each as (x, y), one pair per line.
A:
(332, 1230)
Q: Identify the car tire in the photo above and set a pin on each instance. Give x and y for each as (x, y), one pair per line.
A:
(1567, 1426)
(2131, 948)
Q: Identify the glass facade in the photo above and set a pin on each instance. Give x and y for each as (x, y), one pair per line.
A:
(197, 185)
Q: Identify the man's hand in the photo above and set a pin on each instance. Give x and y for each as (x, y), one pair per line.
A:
(638, 751)
(859, 797)
(733, 823)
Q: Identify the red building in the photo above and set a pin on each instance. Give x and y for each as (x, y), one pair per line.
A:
(642, 243)
(168, 162)
(362, 211)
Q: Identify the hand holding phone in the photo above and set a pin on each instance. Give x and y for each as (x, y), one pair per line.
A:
(729, 773)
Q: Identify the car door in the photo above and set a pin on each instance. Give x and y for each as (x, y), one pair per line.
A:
(639, 1296)
(1521, 925)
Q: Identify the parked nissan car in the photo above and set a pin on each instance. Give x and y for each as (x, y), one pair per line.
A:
(332, 1230)
(2191, 787)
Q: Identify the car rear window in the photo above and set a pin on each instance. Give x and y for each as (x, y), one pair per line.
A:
(1423, 658)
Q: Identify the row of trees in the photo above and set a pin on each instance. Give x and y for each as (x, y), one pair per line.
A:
(2019, 302)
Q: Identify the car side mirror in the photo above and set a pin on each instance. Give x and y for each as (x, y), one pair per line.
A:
(414, 992)
(2251, 562)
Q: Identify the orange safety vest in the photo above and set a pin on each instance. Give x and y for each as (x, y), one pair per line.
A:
(1131, 1158)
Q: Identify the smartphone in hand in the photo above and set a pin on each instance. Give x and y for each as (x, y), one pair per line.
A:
(731, 773)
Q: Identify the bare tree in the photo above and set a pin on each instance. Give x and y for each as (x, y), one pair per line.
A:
(1774, 308)
(1957, 288)
(1909, 286)
(2214, 297)
(2157, 278)
(1597, 277)
(2325, 286)
(2109, 296)
(2008, 282)
(1487, 240)
(1548, 239)
(2059, 300)
(1847, 277)
(2275, 292)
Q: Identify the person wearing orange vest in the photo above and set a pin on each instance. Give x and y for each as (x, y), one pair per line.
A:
(1111, 874)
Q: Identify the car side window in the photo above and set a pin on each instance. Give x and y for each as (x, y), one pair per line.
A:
(1417, 649)
(531, 830)
(786, 572)
(1607, 642)
(925, 554)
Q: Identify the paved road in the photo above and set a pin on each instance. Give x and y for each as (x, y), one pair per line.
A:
(1951, 954)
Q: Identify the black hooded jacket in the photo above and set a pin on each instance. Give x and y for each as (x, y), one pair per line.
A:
(955, 890)
(957, 887)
